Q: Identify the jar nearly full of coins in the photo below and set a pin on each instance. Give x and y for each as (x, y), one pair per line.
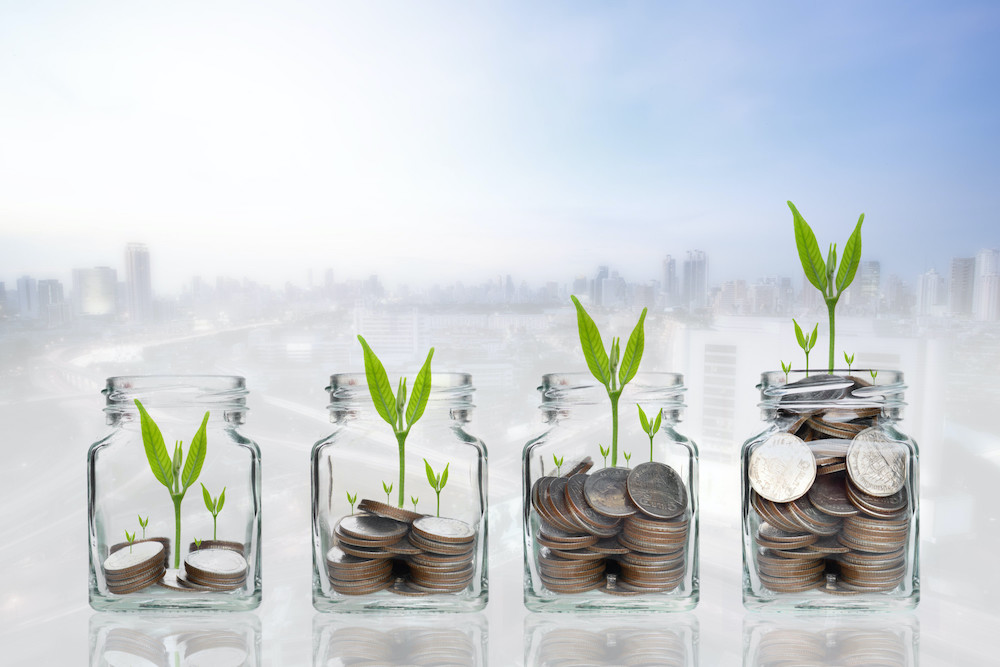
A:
(174, 497)
(399, 527)
(830, 496)
(605, 528)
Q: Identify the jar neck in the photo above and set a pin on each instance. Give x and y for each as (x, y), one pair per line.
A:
(223, 396)
(798, 391)
(563, 393)
(450, 397)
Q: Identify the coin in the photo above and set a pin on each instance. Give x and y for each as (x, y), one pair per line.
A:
(440, 529)
(782, 468)
(142, 557)
(388, 511)
(605, 491)
(876, 464)
(577, 505)
(657, 490)
(215, 564)
(371, 528)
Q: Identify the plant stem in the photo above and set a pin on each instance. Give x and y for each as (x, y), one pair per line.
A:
(831, 306)
(439, 503)
(177, 534)
(650, 448)
(401, 439)
(215, 524)
(614, 428)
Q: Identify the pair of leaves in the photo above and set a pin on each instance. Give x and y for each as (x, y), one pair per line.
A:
(352, 499)
(437, 482)
(786, 368)
(650, 429)
(558, 460)
(602, 364)
(604, 451)
(166, 471)
(848, 359)
(130, 536)
(820, 273)
(214, 505)
(389, 406)
(142, 523)
(387, 488)
(805, 343)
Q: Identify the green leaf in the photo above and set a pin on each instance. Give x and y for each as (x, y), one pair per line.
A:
(221, 501)
(143, 523)
(642, 419)
(351, 499)
(633, 352)
(812, 339)
(400, 400)
(431, 477)
(421, 392)
(378, 385)
(851, 259)
(197, 542)
(809, 254)
(604, 452)
(615, 356)
(656, 424)
(156, 449)
(209, 503)
(798, 334)
(848, 359)
(178, 459)
(593, 346)
(444, 475)
(196, 454)
(831, 263)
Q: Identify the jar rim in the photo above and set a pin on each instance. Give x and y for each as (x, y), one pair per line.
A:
(792, 391)
(224, 392)
(454, 388)
(580, 388)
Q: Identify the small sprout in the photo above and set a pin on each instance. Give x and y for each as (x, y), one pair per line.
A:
(352, 499)
(604, 453)
(197, 543)
(214, 506)
(558, 460)
(628, 455)
(874, 374)
(131, 538)
(143, 524)
(388, 489)
(806, 343)
(787, 368)
(650, 428)
(437, 481)
(414, 500)
(850, 361)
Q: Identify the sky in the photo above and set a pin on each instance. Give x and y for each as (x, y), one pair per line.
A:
(444, 141)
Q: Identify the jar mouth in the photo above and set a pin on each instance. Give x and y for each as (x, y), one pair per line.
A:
(656, 388)
(226, 393)
(799, 390)
(454, 389)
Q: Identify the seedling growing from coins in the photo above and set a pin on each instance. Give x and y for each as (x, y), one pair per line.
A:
(388, 489)
(850, 362)
(352, 499)
(437, 481)
(604, 452)
(605, 365)
(825, 276)
(650, 429)
(628, 457)
(399, 414)
(197, 543)
(558, 460)
(143, 524)
(414, 500)
(874, 374)
(214, 506)
(176, 474)
(806, 343)
(786, 368)
(130, 538)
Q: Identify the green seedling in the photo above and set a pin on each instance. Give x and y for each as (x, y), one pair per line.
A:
(143, 524)
(414, 500)
(850, 362)
(176, 474)
(352, 499)
(628, 457)
(786, 368)
(197, 543)
(806, 343)
(604, 452)
(558, 460)
(388, 489)
(604, 365)
(874, 374)
(825, 276)
(437, 481)
(394, 408)
(214, 506)
(130, 538)
(649, 428)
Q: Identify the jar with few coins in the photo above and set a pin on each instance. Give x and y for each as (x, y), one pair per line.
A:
(610, 523)
(830, 495)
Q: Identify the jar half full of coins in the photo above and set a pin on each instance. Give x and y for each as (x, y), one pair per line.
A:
(831, 495)
(610, 506)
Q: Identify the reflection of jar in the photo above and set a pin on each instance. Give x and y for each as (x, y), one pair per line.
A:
(158, 472)
(384, 537)
(219, 640)
(600, 536)
(830, 495)
(830, 639)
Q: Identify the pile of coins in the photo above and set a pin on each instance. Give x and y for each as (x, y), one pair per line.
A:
(386, 547)
(214, 569)
(132, 569)
(830, 495)
(165, 541)
(622, 531)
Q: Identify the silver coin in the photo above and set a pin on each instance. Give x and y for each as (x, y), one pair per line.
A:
(657, 490)
(222, 562)
(371, 527)
(140, 557)
(876, 464)
(442, 529)
(605, 492)
(782, 468)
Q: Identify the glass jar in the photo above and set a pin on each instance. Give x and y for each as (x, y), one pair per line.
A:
(830, 495)
(605, 529)
(174, 526)
(383, 537)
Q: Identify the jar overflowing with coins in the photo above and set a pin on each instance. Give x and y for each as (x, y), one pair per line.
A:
(178, 527)
(830, 495)
(399, 526)
(610, 509)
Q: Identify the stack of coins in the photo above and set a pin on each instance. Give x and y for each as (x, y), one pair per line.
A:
(830, 498)
(133, 569)
(622, 531)
(214, 569)
(165, 541)
(444, 564)
(353, 575)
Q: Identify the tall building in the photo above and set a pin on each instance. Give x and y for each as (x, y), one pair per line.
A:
(597, 285)
(52, 305)
(140, 290)
(671, 289)
(95, 291)
(27, 297)
(931, 293)
(963, 272)
(695, 287)
(988, 299)
(983, 295)
(869, 284)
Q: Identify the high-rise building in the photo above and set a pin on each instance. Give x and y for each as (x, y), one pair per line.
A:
(27, 297)
(695, 287)
(140, 290)
(963, 272)
(983, 296)
(869, 285)
(597, 287)
(95, 291)
(671, 289)
(931, 293)
(52, 305)
(988, 299)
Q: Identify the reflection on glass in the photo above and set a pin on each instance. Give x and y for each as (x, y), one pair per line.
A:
(563, 641)
(400, 640)
(819, 640)
(174, 641)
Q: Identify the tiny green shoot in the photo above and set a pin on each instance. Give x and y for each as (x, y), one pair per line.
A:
(130, 537)
(874, 374)
(437, 482)
(176, 474)
(143, 523)
(197, 543)
(388, 489)
(825, 276)
(786, 368)
(806, 343)
(649, 428)
(604, 365)
(850, 362)
(214, 506)
(414, 500)
(558, 460)
(352, 499)
(628, 456)
(394, 408)
(604, 452)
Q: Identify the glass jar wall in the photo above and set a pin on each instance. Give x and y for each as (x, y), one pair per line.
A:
(830, 495)
(399, 528)
(174, 497)
(610, 525)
